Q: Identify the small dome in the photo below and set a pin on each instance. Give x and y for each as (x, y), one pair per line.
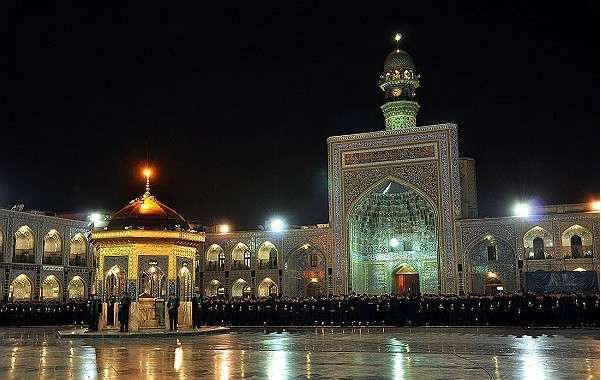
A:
(398, 59)
(146, 212)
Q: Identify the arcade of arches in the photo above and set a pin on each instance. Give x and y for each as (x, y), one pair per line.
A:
(390, 226)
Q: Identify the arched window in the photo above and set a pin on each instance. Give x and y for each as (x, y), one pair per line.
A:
(576, 246)
(239, 255)
(24, 246)
(577, 241)
(76, 288)
(313, 259)
(492, 252)
(538, 246)
(247, 259)
(53, 246)
(213, 254)
(114, 283)
(221, 260)
(184, 285)
(51, 288)
(153, 282)
(78, 249)
(536, 240)
(267, 256)
(21, 288)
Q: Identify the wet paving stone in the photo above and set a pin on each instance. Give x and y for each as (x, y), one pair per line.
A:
(425, 353)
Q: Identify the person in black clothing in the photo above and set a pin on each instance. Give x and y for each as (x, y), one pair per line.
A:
(197, 310)
(124, 304)
(93, 312)
(110, 311)
(173, 307)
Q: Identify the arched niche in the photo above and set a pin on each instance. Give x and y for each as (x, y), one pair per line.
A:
(24, 245)
(78, 250)
(267, 256)
(53, 247)
(390, 224)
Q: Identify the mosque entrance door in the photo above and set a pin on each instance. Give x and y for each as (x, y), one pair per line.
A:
(407, 283)
(406, 280)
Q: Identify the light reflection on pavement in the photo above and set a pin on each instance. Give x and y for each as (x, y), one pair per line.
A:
(306, 353)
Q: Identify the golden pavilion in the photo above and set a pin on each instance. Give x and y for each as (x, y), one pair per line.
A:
(149, 251)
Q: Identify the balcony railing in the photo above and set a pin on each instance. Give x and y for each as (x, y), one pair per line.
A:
(52, 259)
(24, 256)
(213, 265)
(77, 261)
(239, 265)
(266, 264)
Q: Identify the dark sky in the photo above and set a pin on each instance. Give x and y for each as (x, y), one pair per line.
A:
(233, 103)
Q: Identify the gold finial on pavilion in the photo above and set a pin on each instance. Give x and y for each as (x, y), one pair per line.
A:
(147, 173)
(397, 39)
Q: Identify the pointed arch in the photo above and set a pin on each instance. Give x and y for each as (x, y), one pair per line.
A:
(267, 288)
(78, 250)
(21, 288)
(51, 289)
(53, 247)
(24, 245)
(240, 256)
(214, 288)
(579, 240)
(267, 256)
(213, 256)
(241, 289)
(305, 264)
(184, 283)
(76, 288)
(536, 240)
(114, 281)
(391, 222)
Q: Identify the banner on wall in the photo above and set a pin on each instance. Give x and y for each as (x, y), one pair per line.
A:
(561, 282)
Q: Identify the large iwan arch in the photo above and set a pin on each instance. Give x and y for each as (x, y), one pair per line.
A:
(392, 225)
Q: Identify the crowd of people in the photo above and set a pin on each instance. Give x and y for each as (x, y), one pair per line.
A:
(43, 313)
(505, 309)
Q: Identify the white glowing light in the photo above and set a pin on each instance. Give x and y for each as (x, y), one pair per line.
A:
(223, 228)
(521, 209)
(95, 217)
(398, 37)
(277, 224)
(394, 242)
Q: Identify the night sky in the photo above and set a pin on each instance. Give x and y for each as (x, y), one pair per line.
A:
(233, 104)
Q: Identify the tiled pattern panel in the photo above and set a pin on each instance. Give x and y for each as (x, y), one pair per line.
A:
(314, 353)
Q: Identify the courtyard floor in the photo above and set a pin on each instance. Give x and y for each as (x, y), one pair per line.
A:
(432, 353)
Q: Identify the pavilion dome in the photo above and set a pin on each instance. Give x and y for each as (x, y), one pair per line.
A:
(397, 60)
(146, 212)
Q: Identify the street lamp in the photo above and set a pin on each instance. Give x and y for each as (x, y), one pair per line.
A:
(277, 224)
(521, 210)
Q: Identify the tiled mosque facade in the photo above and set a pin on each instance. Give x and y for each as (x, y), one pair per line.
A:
(44, 257)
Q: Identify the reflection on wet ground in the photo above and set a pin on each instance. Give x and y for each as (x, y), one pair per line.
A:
(442, 353)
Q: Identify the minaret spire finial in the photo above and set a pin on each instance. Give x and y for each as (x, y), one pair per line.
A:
(397, 39)
(147, 173)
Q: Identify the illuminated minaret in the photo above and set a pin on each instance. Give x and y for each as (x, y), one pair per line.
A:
(399, 81)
